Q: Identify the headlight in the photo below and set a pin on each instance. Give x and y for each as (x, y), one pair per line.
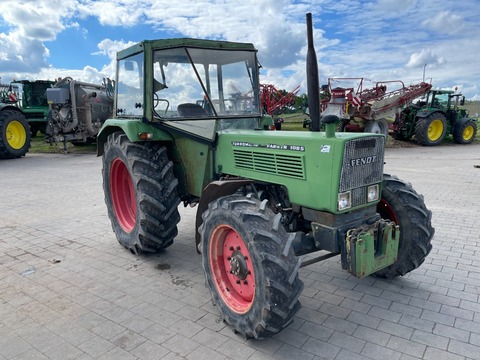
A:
(372, 193)
(344, 200)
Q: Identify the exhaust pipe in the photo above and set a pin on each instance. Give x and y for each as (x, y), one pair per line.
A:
(313, 88)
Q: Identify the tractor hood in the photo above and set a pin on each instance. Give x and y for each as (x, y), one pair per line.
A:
(314, 168)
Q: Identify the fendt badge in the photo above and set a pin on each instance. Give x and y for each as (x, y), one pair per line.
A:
(363, 161)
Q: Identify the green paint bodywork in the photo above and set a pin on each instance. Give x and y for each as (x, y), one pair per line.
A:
(132, 128)
(196, 162)
(294, 159)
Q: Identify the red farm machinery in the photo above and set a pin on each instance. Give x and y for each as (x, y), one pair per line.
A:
(368, 110)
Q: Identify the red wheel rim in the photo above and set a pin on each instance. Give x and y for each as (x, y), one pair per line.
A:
(123, 195)
(386, 211)
(232, 269)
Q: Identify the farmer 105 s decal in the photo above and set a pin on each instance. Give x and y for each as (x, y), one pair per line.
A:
(188, 128)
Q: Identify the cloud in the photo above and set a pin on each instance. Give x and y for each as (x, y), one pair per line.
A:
(394, 6)
(21, 54)
(378, 39)
(114, 12)
(30, 24)
(111, 47)
(426, 56)
(445, 22)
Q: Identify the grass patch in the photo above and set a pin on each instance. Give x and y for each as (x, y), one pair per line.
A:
(39, 146)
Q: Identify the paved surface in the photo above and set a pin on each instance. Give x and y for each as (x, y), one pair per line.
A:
(68, 290)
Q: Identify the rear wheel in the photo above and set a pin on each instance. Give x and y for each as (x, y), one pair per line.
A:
(140, 193)
(404, 206)
(250, 265)
(431, 130)
(464, 131)
(15, 134)
(377, 127)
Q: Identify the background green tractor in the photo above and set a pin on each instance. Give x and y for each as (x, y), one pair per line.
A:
(23, 111)
(188, 127)
(431, 120)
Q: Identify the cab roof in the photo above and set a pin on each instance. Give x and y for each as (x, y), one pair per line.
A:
(184, 42)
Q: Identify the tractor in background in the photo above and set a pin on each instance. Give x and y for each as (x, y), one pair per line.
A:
(23, 110)
(431, 120)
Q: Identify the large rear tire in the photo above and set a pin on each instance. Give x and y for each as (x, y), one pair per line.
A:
(15, 135)
(404, 206)
(431, 130)
(140, 193)
(250, 265)
(464, 131)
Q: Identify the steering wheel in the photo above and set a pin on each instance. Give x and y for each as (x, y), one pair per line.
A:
(156, 102)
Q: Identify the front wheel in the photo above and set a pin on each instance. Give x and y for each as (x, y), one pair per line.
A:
(140, 194)
(431, 130)
(250, 265)
(15, 135)
(404, 206)
(464, 131)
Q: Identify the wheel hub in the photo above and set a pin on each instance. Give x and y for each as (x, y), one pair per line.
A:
(232, 269)
(238, 265)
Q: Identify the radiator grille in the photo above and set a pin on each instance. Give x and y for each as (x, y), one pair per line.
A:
(362, 163)
(271, 163)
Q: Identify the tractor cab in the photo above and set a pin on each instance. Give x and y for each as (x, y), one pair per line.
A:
(32, 94)
(195, 87)
(439, 99)
(449, 103)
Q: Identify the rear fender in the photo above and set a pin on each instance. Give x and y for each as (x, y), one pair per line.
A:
(132, 128)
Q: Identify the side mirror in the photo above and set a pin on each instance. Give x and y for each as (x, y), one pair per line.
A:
(462, 101)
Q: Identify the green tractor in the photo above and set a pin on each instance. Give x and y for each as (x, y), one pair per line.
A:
(431, 120)
(23, 112)
(188, 127)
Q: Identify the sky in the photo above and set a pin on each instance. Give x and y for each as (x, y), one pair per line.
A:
(378, 40)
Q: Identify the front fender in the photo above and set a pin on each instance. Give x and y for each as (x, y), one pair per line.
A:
(132, 128)
(213, 191)
(427, 112)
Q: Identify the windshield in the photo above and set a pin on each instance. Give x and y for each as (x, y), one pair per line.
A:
(440, 101)
(33, 93)
(205, 83)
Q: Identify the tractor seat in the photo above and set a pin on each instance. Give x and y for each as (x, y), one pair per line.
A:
(190, 110)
